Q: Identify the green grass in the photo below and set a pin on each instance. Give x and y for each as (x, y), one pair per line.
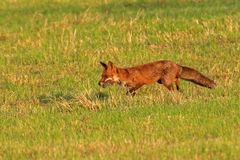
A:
(51, 106)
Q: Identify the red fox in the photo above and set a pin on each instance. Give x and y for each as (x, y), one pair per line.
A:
(163, 72)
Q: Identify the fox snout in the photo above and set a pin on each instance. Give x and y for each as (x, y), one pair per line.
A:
(102, 84)
(106, 82)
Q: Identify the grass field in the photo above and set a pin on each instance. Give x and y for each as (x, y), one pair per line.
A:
(51, 106)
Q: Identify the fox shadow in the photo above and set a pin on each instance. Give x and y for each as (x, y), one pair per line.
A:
(94, 96)
(48, 98)
(99, 96)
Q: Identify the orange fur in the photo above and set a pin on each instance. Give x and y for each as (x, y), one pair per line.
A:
(164, 72)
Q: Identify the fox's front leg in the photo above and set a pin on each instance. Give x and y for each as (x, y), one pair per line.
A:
(132, 90)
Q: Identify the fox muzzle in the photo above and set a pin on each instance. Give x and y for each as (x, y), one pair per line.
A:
(102, 84)
(106, 82)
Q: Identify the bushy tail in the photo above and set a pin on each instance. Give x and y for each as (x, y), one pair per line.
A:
(194, 76)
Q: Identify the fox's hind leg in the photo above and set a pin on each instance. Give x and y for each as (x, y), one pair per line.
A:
(168, 84)
(177, 82)
(169, 87)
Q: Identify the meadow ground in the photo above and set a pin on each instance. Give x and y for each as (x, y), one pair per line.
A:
(51, 106)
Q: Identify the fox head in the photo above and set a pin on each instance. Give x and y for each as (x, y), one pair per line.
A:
(109, 75)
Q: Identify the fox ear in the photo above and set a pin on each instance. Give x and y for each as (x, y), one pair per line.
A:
(104, 65)
(110, 64)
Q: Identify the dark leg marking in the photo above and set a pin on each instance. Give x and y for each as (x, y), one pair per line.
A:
(132, 91)
(177, 82)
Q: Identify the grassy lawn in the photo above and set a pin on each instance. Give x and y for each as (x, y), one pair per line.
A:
(51, 106)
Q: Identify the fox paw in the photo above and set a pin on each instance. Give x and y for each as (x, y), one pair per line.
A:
(130, 93)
